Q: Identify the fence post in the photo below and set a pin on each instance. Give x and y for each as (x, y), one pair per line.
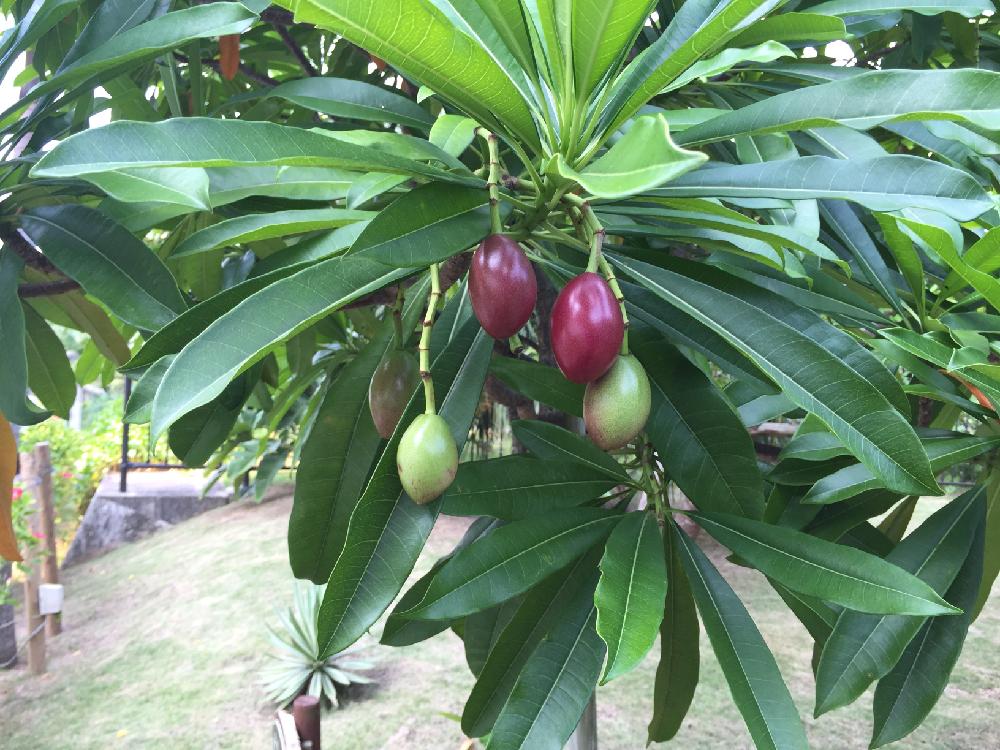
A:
(34, 624)
(305, 709)
(8, 641)
(36, 468)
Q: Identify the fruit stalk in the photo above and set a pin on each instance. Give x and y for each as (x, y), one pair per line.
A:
(425, 341)
(493, 181)
(397, 316)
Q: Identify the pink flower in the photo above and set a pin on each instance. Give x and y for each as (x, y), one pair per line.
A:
(67, 475)
(16, 493)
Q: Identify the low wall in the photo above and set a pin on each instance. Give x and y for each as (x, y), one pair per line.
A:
(154, 500)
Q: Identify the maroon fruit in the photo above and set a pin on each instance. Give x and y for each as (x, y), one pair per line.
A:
(587, 328)
(502, 286)
(396, 378)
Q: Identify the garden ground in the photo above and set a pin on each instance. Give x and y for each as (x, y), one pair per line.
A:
(164, 640)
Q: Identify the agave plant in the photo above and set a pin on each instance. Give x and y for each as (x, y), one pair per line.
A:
(299, 666)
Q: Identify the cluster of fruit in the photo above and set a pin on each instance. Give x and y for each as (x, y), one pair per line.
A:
(587, 334)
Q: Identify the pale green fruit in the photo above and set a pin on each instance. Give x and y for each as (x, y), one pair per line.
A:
(616, 405)
(426, 458)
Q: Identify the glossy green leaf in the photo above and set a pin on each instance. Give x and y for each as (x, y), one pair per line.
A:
(968, 8)
(537, 616)
(182, 187)
(371, 186)
(334, 466)
(139, 407)
(540, 383)
(853, 480)
(50, 375)
(991, 561)
(677, 671)
(196, 435)
(453, 133)
(864, 647)
(86, 316)
(644, 158)
(631, 592)
(730, 58)
(35, 20)
(888, 183)
(832, 572)
(555, 685)
(481, 630)
(244, 334)
(426, 225)
(14, 404)
(107, 261)
(905, 696)
(748, 665)
(548, 441)
(703, 445)
(431, 50)
(387, 530)
(355, 100)
(203, 142)
(802, 353)
(255, 227)
(793, 27)
(864, 102)
(603, 32)
(230, 184)
(517, 487)
(510, 560)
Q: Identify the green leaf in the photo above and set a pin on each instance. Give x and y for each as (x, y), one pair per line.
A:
(703, 445)
(631, 592)
(197, 435)
(50, 375)
(677, 672)
(453, 133)
(548, 441)
(828, 571)
(334, 466)
(355, 100)
(864, 647)
(139, 407)
(729, 58)
(991, 563)
(230, 184)
(204, 142)
(864, 102)
(792, 27)
(244, 334)
(14, 403)
(84, 315)
(540, 383)
(555, 685)
(387, 530)
(142, 42)
(107, 261)
(603, 33)
(853, 480)
(696, 30)
(819, 368)
(35, 21)
(255, 227)
(517, 487)
(888, 183)
(510, 560)
(426, 225)
(181, 187)
(644, 158)
(192, 322)
(748, 665)
(967, 8)
(905, 696)
(431, 49)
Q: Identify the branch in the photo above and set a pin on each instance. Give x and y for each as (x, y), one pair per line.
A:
(296, 50)
(47, 289)
(244, 69)
(12, 238)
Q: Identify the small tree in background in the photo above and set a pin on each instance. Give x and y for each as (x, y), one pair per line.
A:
(688, 221)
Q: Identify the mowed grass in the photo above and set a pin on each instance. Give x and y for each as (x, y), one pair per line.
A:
(164, 640)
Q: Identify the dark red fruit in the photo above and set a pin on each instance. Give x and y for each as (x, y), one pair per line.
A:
(502, 286)
(587, 328)
(396, 378)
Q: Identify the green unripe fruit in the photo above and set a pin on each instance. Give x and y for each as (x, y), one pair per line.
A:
(616, 405)
(396, 378)
(426, 458)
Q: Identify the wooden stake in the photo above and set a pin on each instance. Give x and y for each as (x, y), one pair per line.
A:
(36, 470)
(33, 621)
(305, 709)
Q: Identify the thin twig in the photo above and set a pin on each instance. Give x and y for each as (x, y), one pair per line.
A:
(244, 69)
(48, 289)
(296, 50)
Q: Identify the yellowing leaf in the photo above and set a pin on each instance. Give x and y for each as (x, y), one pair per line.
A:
(8, 468)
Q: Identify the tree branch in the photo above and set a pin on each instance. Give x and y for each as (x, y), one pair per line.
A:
(47, 289)
(244, 69)
(296, 50)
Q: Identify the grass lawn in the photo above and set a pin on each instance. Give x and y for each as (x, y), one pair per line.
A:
(164, 639)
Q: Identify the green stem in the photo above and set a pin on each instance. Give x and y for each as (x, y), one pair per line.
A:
(425, 341)
(397, 317)
(493, 181)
